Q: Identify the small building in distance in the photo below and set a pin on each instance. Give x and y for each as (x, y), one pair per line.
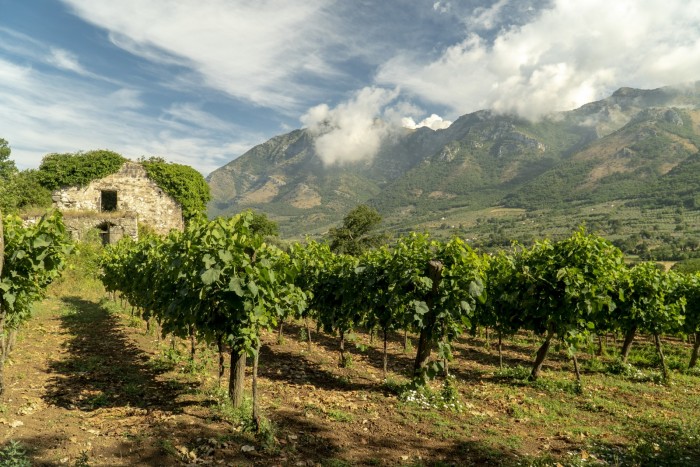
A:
(116, 204)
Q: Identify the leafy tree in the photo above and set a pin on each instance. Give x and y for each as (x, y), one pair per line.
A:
(338, 296)
(261, 225)
(218, 278)
(8, 171)
(378, 275)
(688, 287)
(7, 166)
(501, 308)
(356, 234)
(27, 191)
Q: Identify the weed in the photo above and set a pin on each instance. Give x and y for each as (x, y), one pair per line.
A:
(167, 447)
(195, 366)
(133, 390)
(340, 416)
(347, 362)
(168, 359)
(14, 455)
(594, 365)
(335, 463)
(631, 373)
(95, 402)
(82, 460)
(422, 396)
(552, 385)
(512, 373)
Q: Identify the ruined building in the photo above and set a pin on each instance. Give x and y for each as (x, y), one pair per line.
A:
(116, 204)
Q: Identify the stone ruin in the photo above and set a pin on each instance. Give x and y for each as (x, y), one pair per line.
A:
(116, 204)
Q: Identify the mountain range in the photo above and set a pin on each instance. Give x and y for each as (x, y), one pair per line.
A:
(635, 147)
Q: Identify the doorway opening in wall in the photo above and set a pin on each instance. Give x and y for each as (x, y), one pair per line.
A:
(105, 230)
(108, 201)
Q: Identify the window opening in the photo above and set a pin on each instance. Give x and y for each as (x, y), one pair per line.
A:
(109, 200)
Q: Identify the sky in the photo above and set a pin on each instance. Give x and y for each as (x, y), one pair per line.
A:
(200, 82)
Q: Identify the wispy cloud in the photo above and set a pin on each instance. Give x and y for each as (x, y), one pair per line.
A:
(44, 113)
(65, 60)
(261, 52)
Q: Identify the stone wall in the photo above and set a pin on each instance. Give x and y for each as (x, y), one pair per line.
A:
(110, 228)
(136, 195)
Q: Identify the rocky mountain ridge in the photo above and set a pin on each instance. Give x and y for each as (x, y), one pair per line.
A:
(619, 148)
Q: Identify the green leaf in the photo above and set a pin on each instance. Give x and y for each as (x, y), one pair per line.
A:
(420, 307)
(253, 288)
(235, 286)
(210, 276)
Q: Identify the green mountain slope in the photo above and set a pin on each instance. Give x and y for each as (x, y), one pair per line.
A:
(638, 146)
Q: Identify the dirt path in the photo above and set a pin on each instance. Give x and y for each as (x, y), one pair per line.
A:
(81, 388)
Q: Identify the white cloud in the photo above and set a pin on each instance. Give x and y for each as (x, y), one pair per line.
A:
(487, 17)
(571, 54)
(352, 131)
(65, 60)
(256, 51)
(191, 114)
(434, 122)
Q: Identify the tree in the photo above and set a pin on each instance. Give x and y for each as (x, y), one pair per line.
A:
(651, 304)
(7, 166)
(8, 171)
(261, 225)
(355, 235)
(688, 286)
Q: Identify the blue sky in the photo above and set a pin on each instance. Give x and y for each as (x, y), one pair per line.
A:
(200, 82)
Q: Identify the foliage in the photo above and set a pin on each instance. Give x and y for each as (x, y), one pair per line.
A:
(355, 235)
(34, 257)
(183, 183)
(263, 226)
(78, 169)
(650, 303)
(7, 166)
(688, 266)
(29, 192)
(8, 171)
(13, 454)
(218, 279)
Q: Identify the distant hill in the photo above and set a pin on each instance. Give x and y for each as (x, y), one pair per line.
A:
(636, 146)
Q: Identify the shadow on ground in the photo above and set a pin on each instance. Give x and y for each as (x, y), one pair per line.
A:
(103, 367)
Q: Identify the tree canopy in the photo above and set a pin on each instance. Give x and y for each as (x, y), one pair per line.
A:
(357, 235)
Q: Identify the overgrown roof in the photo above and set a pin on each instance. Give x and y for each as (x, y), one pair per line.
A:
(182, 182)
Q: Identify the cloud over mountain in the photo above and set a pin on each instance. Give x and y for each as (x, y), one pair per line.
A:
(569, 54)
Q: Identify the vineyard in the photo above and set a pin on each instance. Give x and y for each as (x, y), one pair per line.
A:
(420, 352)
